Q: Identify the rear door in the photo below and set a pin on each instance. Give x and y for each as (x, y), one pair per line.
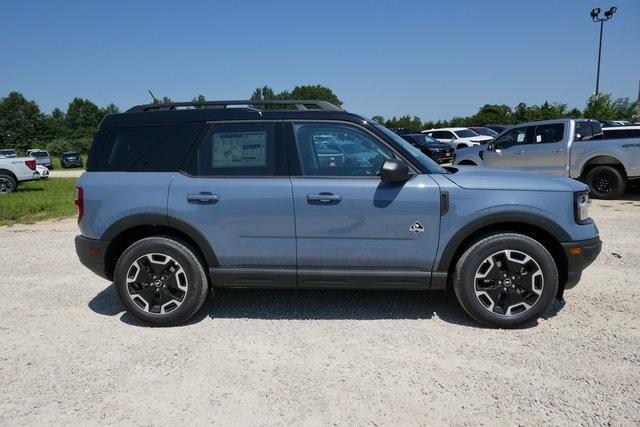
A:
(236, 191)
(353, 229)
(510, 149)
(547, 151)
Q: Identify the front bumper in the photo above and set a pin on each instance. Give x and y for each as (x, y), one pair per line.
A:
(580, 254)
(92, 253)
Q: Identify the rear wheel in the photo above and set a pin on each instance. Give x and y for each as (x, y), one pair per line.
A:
(605, 182)
(161, 281)
(8, 184)
(506, 280)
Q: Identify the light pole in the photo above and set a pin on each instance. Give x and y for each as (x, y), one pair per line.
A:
(595, 16)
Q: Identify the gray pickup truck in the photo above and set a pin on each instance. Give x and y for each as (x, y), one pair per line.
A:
(574, 148)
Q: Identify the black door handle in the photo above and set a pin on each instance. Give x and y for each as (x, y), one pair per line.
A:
(203, 198)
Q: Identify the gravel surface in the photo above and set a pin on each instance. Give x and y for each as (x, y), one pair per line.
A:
(69, 355)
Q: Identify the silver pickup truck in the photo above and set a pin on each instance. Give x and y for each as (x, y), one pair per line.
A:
(568, 147)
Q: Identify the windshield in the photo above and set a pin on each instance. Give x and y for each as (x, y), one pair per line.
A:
(485, 131)
(465, 133)
(423, 140)
(39, 154)
(418, 155)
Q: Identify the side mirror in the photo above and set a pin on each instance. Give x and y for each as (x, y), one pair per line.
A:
(394, 171)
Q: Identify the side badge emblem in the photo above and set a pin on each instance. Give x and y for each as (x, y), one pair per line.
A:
(416, 227)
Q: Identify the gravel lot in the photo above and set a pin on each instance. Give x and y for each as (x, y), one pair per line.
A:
(69, 355)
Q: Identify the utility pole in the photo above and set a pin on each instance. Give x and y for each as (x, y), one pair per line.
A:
(595, 16)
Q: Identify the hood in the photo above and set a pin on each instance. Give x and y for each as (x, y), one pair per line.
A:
(439, 145)
(481, 138)
(479, 178)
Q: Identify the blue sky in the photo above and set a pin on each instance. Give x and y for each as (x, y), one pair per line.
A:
(434, 59)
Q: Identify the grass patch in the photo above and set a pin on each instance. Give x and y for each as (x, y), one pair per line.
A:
(38, 200)
(58, 166)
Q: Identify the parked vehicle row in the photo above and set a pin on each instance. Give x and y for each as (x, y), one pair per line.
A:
(576, 148)
(458, 137)
(176, 200)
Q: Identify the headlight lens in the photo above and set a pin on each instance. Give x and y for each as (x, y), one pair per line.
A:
(583, 203)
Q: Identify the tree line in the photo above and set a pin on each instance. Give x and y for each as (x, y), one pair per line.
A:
(23, 125)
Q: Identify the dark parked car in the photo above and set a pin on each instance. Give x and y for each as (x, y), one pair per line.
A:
(70, 159)
(498, 128)
(484, 131)
(436, 150)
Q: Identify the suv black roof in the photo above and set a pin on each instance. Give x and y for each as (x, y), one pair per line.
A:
(179, 112)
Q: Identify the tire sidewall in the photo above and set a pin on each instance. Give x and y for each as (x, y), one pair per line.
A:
(471, 261)
(197, 284)
(12, 181)
(619, 186)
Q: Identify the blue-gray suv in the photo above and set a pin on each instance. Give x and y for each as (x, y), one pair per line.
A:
(181, 198)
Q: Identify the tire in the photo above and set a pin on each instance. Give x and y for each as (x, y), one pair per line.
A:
(605, 182)
(459, 146)
(536, 288)
(467, 163)
(177, 296)
(8, 184)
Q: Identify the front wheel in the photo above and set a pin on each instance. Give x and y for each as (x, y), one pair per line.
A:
(605, 182)
(506, 280)
(161, 281)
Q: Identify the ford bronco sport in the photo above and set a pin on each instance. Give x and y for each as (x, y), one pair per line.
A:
(177, 200)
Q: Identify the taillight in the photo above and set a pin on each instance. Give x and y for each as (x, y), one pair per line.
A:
(31, 164)
(79, 201)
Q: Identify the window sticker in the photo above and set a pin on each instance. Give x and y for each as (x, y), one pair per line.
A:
(240, 149)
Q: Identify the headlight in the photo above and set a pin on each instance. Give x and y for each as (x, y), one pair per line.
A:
(582, 205)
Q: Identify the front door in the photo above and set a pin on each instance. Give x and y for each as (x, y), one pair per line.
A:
(353, 229)
(548, 150)
(509, 149)
(237, 193)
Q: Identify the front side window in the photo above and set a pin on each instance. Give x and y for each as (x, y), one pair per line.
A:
(237, 149)
(513, 137)
(334, 149)
(549, 134)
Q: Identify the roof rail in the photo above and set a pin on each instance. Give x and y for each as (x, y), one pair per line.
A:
(301, 105)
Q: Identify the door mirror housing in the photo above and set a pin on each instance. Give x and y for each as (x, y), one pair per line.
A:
(394, 171)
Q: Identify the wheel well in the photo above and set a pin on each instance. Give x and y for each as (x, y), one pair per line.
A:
(462, 145)
(603, 161)
(11, 174)
(468, 162)
(127, 237)
(544, 237)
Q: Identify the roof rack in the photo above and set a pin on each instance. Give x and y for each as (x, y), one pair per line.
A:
(300, 105)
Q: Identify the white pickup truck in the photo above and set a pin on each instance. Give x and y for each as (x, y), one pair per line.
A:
(14, 170)
(570, 147)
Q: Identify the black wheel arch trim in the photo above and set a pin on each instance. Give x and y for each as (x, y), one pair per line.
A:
(497, 218)
(163, 220)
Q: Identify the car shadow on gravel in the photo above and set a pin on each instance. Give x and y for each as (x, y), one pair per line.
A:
(272, 304)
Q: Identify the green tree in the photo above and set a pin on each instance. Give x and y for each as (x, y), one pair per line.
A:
(600, 107)
(109, 109)
(378, 119)
(199, 100)
(21, 122)
(315, 92)
(491, 113)
(625, 109)
(82, 118)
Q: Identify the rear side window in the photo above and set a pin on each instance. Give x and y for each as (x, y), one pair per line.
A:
(160, 148)
(513, 137)
(549, 134)
(588, 131)
(239, 149)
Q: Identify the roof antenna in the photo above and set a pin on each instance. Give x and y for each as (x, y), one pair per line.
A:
(155, 100)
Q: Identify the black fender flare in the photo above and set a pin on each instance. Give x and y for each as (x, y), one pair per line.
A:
(491, 219)
(156, 219)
